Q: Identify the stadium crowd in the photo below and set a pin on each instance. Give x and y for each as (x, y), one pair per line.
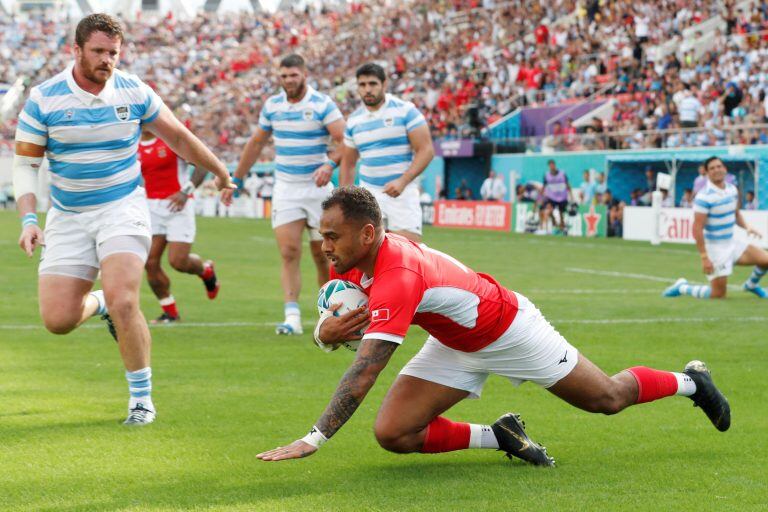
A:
(464, 63)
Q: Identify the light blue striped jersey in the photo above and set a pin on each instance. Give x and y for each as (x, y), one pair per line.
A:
(300, 133)
(91, 141)
(381, 138)
(720, 206)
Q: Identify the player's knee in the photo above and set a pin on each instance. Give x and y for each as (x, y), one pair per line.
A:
(290, 252)
(610, 401)
(122, 305)
(392, 440)
(178, 263)
(717, 294)
(59, 325)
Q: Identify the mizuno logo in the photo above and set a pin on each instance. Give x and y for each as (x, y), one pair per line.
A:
(564, 359)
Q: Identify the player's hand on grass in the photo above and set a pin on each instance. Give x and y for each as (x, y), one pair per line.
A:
(706, 265)
(177, 201)
(31, 237)
(395, 187)
(322, 175)
(295, 450)
(346, 327)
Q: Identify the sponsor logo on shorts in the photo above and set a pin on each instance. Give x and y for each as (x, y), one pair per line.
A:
(379, 315)
(140, 224)
(564, 359)
(122, 112)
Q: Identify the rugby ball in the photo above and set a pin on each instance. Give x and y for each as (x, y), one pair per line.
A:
(349, 295)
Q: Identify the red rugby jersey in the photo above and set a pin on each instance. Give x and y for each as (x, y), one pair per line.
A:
(413, 284)
(164, 172)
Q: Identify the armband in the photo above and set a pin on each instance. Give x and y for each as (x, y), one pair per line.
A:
(332, 164)
(315, 438)
(238, 181)
(25, 175)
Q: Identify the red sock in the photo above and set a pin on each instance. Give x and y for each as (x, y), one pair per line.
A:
(170, 308)
(653, 384)
(207, 271)
(444, 435)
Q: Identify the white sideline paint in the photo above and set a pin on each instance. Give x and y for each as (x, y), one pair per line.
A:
(561, 321)
(629, 275)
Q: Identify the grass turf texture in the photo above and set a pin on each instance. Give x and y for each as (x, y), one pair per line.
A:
(226, 393)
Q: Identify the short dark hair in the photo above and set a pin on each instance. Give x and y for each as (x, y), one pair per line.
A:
(550, 162)
(293, 60)
(98, 22)
(371, 69)
(356, 203)
(709, 161)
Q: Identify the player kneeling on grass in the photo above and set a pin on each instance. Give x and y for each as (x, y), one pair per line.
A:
(716, 212)
(477, 328)
(172, 216)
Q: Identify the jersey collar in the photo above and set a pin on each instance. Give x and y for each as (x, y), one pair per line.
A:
(378, 113)
(304, 101)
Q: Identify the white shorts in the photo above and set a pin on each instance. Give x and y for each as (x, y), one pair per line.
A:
(295, 201)
(72, 239)
(174, 226)
(530, 350)
(724, 255)
(401, 213)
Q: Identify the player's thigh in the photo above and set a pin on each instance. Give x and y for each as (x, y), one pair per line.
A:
(289, 236)
(121, 275)
(753, 255)
(61, 298)
(156, 250)
(585, 386)
(411, 403)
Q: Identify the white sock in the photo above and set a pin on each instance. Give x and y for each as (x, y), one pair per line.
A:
(685, 385)
(99, 296)
(482, 436)
(167, 301)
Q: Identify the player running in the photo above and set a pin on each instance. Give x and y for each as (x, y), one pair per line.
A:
(716, 211)
(300, 119)
(87, 120)
(477, 328)
(172, 212)
(392, 140)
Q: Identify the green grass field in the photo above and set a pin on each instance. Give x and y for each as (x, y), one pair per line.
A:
(226, 392)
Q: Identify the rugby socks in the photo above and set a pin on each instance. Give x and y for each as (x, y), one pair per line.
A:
(482, 436)
(102, 302)
(444, 435)
(292, 310)
(655, 384)
(169, 306)
(699, 291)
(754, 278)
(140, 388)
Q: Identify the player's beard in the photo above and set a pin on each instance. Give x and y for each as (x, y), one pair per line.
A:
(298, 92)
(373, 101)
(89, 72)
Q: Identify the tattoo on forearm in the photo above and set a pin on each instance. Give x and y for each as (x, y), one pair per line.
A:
(354, 385)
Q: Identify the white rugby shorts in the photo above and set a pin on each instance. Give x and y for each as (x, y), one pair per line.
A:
(295, 201)
(71, 239)
(530, 350)
(724, 255)
(174, 226)
(401, 213)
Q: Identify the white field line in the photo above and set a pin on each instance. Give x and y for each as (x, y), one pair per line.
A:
(630, 275)
(561, 321)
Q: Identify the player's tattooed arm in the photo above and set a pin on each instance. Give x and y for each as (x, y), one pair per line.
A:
(372, 357)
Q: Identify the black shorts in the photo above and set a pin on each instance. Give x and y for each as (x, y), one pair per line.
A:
(560, 205)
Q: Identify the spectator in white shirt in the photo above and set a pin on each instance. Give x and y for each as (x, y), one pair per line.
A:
(493, 188)
(690, 108)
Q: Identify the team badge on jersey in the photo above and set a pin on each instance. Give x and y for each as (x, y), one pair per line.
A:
(69, 114)
(161, 152)
(380, 315)
(389, 121)
(308, 115)
(122, 112)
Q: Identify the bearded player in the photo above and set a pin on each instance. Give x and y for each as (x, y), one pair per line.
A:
(477, 328)
(172, 215)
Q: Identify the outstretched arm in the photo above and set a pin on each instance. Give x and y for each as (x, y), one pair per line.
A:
(372, 357)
